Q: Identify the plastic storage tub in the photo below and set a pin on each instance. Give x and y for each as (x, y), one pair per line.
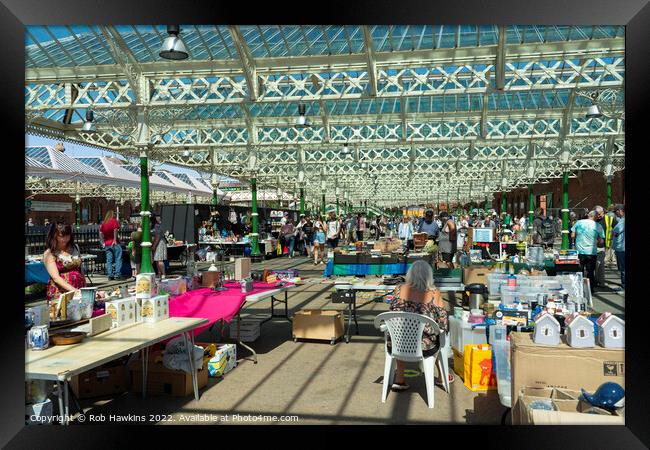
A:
(501, 350)
(461, 334)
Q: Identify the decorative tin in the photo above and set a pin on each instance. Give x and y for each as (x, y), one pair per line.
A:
(39, 337)
(29, 318)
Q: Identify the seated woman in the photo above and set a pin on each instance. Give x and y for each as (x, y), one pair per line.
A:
(62, 260)
(419, 295)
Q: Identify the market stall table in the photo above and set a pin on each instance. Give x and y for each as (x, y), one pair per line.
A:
(61, 363)
(179, 252)
(224, 305)
(375, 286)
(363, 264)
(227, 246)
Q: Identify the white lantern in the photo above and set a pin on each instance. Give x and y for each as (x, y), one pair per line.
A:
(565, 155)
(252, 162)
(301, 176)
(609, 170)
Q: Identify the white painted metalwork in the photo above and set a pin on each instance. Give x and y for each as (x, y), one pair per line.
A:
(426, 110)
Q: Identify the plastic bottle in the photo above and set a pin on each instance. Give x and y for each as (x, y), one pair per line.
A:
(512, 278)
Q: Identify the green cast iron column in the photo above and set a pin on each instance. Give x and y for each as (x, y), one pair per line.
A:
(503, 203)
(337, 206)
(78, 214)
(323, 205)
(531, 208)
(302, 200)
(145, 264)
(565, 211)
(255, 250)
(609, 191)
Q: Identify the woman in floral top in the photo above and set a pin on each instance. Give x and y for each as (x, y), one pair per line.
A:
(419, 295)
(62, 260)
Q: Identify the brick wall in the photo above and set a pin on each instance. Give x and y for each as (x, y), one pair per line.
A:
(97, 208)
(587, 190)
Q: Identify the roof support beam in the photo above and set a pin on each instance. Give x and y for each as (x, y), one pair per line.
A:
(247, 61)
(372, 64)
(326, 120)
(566, 119)
(129, 64)
(500, 65)
(403, 105)
(484, 113)
(416, 58)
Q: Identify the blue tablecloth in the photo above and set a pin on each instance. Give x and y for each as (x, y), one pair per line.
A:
(36, 273)
(364, 269)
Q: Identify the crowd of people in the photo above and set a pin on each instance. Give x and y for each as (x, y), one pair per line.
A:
(598, 236)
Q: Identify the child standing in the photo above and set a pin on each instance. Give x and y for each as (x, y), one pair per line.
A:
(319, 245)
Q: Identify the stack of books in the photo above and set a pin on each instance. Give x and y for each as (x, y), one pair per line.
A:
(567, 257)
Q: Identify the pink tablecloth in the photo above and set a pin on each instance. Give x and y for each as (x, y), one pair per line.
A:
(213, 305)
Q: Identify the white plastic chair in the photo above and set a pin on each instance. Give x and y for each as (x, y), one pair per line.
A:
(405, 330)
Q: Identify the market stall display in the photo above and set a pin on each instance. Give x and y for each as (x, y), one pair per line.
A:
(53, 364)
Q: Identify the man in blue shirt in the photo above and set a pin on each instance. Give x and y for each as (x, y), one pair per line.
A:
(618, 236)
(588, 237)
(428, 225)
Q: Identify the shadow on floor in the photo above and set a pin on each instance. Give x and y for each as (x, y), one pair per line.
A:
(487, 409)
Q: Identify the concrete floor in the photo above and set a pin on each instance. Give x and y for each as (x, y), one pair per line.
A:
(317, 382)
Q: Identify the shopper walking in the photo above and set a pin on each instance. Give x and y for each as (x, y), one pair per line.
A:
(333, 231)
(588, 236)
(110, 243)
(288, 235)
(136, 251)
(447, 242)
(319, 245)
(618, 241)
(600, 260)
(488, 223)
(361, 226)
(611, 220)
(405, 233)
(308, 236)
(543, 229)
(350, 224)
(159, 245)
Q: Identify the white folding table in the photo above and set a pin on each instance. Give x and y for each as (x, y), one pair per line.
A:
(60, 363)
(258, 297)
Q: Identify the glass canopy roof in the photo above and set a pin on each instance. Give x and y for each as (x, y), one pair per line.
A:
(409, 100)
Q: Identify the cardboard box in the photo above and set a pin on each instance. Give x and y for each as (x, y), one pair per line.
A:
(242, 268)
(164, 381)
(145, 285)
(477, 274)
(223, 361)
(172, 286)
(101, 381)
(569, 409)
(122, 311)
(562, 366)
(325, 325)
(155, 309)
